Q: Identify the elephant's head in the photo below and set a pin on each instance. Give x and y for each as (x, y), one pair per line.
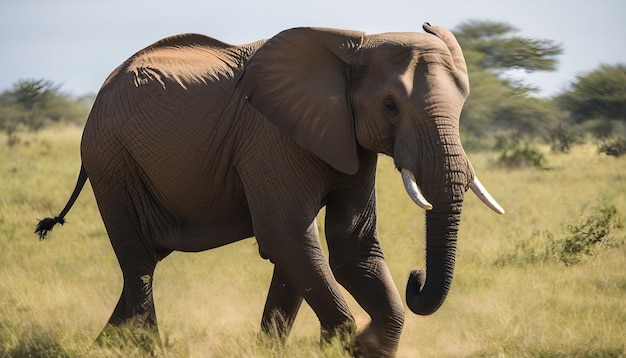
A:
(400, 94)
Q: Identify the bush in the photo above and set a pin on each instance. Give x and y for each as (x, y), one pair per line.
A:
(613, 147)
(523, 157)
(563, 138)
(585, 239)
(592, 234)
(514, 155)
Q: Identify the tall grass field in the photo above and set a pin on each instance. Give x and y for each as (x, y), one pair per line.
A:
(547, 279)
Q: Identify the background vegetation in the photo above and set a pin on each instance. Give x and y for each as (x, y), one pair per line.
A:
(546, 279)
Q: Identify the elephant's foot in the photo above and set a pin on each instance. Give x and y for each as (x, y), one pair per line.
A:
(369, 343)
(133, 334)
(341, 334)
(343, 331)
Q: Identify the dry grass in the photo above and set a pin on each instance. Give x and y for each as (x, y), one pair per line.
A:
(55, 296)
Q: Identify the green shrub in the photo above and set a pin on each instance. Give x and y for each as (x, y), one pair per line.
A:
(514, 154)
(585, 239)
(613, 147)
(563, 138)
(590, 235)
(523, 157)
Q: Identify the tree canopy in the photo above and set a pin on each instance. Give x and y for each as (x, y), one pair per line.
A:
(596, 101)
(498, 102)
(501, 49)
(33, 103)
(599, 94)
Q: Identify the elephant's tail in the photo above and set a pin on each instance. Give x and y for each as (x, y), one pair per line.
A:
(46, 225)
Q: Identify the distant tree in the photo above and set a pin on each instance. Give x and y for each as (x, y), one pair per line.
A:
(31, 94)
(502, 50)
(32, 104)
(533, 117)
(598, 95)
(497, 101)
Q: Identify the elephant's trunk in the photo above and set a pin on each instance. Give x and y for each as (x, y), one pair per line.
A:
(426, 293)
(443, 176)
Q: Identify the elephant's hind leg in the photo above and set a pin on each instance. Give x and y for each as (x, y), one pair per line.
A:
(133, 320)
(134, 317)
(136, 302)
(131, 325)
(134, 313)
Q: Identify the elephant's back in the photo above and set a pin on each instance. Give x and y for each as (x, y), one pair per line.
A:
(182, 61)
(186, 77)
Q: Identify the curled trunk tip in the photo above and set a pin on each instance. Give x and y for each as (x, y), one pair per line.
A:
(427, 290)
(418, 301)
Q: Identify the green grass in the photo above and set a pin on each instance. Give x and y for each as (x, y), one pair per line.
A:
(56, 295)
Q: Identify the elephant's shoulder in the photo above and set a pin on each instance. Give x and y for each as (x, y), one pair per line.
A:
(185, 59)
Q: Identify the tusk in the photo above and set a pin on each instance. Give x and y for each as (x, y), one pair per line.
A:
(484, 196)
(413, 190)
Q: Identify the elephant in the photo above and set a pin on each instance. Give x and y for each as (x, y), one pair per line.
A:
(193, 143)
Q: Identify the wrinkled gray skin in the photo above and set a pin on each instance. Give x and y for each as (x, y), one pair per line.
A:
(193, 144)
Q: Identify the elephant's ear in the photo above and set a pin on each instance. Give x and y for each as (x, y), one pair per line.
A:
(455, 50)
(299, 80)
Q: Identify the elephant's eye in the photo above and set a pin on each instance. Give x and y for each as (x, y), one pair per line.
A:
(391, 108)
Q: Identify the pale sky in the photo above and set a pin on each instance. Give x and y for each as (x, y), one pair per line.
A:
(77, 43)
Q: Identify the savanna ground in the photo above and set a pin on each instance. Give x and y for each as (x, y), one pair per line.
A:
(512, 295)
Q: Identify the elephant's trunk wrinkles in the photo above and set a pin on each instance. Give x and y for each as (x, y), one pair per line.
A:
(443, 177)
(425, 293)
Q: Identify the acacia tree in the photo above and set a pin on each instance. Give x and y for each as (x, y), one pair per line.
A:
(597, 100)
(22, 103)
(501, 49)
(31, 94)
(497, 101)
(31, 104)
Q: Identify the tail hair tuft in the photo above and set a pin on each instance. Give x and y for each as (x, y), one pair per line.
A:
(46, 225)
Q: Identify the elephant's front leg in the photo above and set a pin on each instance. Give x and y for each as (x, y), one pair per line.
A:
(371, 285)
(283, 216)
(281, 307)
(304, 265)
(358, 264)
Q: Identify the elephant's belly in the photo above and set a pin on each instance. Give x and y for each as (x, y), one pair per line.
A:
(211, 233)
(210, 210)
